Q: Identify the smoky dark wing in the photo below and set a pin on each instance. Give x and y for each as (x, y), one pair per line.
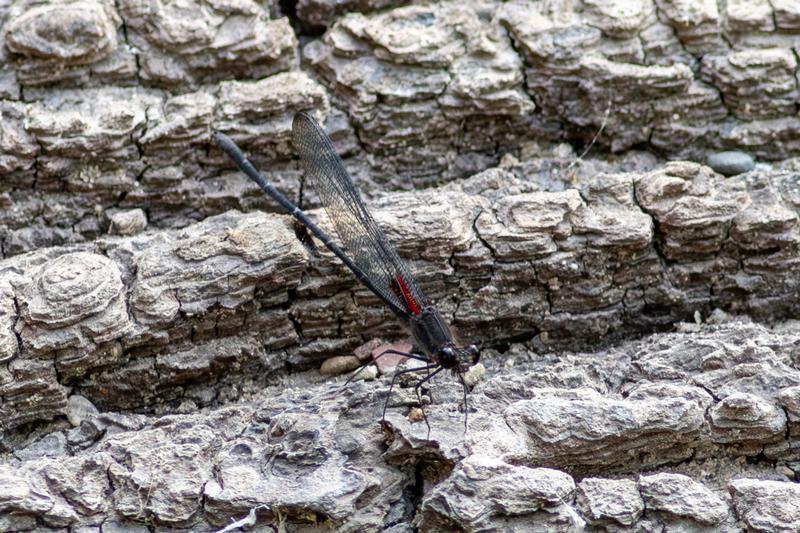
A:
(364, 241)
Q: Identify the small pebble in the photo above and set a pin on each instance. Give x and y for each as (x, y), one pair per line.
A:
(474, 374)
(415, 415)
(564, 151)
(128, 222)
(367, 374)
(79, 409)
(339, 364)
(508, 160)
(731, 163)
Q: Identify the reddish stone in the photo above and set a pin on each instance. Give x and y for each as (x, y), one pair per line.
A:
(388, 362)
(364, 352)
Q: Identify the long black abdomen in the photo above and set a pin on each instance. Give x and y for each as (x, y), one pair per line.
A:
(431, 332)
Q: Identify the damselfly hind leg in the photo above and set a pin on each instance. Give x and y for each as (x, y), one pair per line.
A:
(394, 378)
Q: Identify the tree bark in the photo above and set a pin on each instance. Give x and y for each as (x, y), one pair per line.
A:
(160, 333)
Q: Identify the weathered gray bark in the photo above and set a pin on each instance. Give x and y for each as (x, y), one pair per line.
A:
(156, 329)
(131, 322)
(118, 115)
(545, 437)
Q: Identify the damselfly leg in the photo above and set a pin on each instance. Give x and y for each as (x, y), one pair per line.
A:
(419, 398)
(466, 406)
(418, 357)
(396, 375)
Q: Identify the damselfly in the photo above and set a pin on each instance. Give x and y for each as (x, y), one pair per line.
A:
(366, 252)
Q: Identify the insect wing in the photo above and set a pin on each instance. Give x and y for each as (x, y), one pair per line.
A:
(364, 241)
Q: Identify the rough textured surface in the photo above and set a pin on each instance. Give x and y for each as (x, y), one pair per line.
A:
(767, 505)
(139, 320)
(682, 497)
(605, 501)
(314, 457)
(172, 320)
(116, 100)
(168, 353)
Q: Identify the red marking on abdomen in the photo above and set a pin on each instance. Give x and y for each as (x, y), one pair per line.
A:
(400, 288)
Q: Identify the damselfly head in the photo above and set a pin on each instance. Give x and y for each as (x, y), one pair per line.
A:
(459, 358)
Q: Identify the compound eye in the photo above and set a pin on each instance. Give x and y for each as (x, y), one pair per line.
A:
(448, 351)
(475, 352)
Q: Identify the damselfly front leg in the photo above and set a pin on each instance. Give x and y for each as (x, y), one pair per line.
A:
(418, 357)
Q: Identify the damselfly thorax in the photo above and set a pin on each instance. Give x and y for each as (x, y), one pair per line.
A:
(434, 337)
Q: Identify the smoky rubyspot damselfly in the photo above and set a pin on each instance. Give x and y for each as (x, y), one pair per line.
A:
(367, 252)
